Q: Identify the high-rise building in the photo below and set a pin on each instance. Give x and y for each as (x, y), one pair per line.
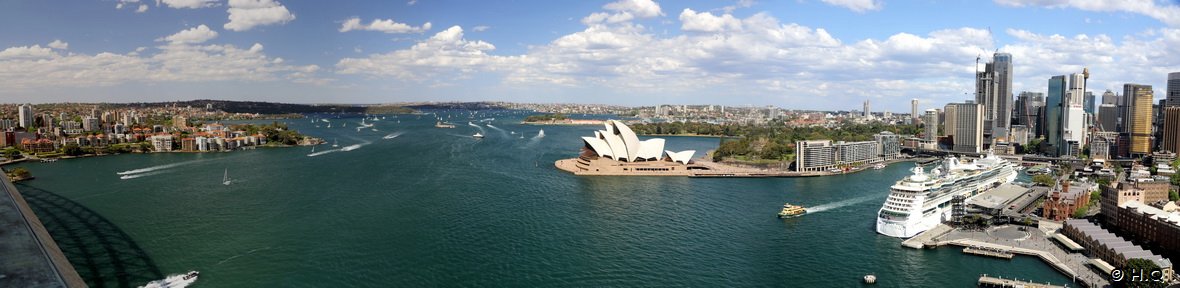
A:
(25, 112)
(1109, 97)
(90, 124)
(914, 109)
(867, 114)
(1053, 113)
(1173, 96)
(1171, 141)
(948, 120)
(1003, 105)
(1108, 117)
(969, 127)
(1088, 104)
(1138, 117)
(931, 120)
(1028, 106)
(181, 122)
(1073, 120)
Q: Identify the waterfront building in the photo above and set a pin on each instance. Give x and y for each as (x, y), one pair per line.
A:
(91, 124)
(161, 143)
(889, 145)
(25, 114)
(931, 125)
(823, 155)
(1173, 96)
(969, 125)
(1171, 129)
(179, 122)
(1110, 250)
(1138, 122)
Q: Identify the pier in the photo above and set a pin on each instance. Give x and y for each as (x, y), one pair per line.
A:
(1008, 241)
(988, 281)
(31, 257)
(988, 252)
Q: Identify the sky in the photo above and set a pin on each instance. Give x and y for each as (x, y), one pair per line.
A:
(799, 54)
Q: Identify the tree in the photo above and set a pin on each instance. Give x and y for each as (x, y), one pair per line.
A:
(1173, 195)
(1134, 266)
(1044, 180)
(19, 173)
(12, 153)
(72, 149)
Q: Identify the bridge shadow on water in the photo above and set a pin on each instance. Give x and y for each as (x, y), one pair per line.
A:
(104, 255)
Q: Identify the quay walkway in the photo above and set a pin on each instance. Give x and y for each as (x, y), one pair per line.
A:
(30, 256)
(988, 281)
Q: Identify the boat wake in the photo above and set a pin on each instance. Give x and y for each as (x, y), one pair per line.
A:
(481, 131)
(172, 281)
(353, 147)
(840, 204)
(322, 152)
(133, 176)
(156, 168)
(393, 135)
(540, 134)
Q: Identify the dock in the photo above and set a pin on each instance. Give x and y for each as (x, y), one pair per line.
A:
(988, 252)
(927, 237)
(988, 281)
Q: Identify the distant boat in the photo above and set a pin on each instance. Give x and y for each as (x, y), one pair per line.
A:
(477, 135)
(334, 145)
(879, 166)
(791, 211)
(441, 124)
(225, 180)
(180, 280)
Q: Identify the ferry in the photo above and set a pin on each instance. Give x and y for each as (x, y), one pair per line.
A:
(879, 166)
(440, 124)
(791, 211)
(920, 201)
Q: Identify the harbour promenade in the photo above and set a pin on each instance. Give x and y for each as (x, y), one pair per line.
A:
(30, 257)
(1011, 239)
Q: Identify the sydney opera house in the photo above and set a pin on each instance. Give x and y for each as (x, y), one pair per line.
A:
(616, 150)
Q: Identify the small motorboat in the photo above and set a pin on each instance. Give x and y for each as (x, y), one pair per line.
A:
(477, 136)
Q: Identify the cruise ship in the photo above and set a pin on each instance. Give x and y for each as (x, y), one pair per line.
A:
(920, 201)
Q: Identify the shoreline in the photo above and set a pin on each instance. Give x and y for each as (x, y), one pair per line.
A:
(27, 158)
(693, 170)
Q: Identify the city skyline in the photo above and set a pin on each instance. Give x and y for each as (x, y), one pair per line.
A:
(630, 52)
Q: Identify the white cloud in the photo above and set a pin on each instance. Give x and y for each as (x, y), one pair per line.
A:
(1167, 13)
(32, 67)
(382, 25)
(194, 35)
(121, 3)
(639, 8)
(189, 4)
(706, 22)
(142, 8)
(58, 44)
(1036, 57)
(412, 2)
(480, 28)
(859, 6)
(445, 53)
(247, 14)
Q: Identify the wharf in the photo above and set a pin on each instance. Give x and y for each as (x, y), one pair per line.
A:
(927, 237)
(988, 252)
(30, 256)
(988, 281)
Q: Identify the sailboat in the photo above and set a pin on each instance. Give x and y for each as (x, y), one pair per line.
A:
(334, 145)
(225, 180)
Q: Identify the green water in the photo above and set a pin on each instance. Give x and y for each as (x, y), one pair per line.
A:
(435, 207)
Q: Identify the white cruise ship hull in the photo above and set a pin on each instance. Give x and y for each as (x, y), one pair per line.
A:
(906, 214)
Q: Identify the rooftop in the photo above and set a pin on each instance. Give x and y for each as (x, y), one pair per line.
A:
(1118, 244)
(999, 197)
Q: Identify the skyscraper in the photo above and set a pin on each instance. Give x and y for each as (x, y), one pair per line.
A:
(1171, 141)
(948, 118)
(1138, 118)
(867, 114)
(1173, 96)
(1108, 117)
(993, 90)
(1053, 113)
(1073, 120)
(914, 110)
(968, 127)
(931, 120)
(1109, 97)
(1088, 104)
(25, 112)
(1028, 106)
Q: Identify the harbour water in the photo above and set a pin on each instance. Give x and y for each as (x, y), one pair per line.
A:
(436, 207)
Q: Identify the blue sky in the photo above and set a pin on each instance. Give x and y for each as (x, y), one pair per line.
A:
(805, 54)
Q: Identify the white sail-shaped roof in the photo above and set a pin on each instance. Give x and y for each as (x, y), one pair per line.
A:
(617, 147)
(599, 146)
(650, 149)
(682, 156)
(629, 139)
